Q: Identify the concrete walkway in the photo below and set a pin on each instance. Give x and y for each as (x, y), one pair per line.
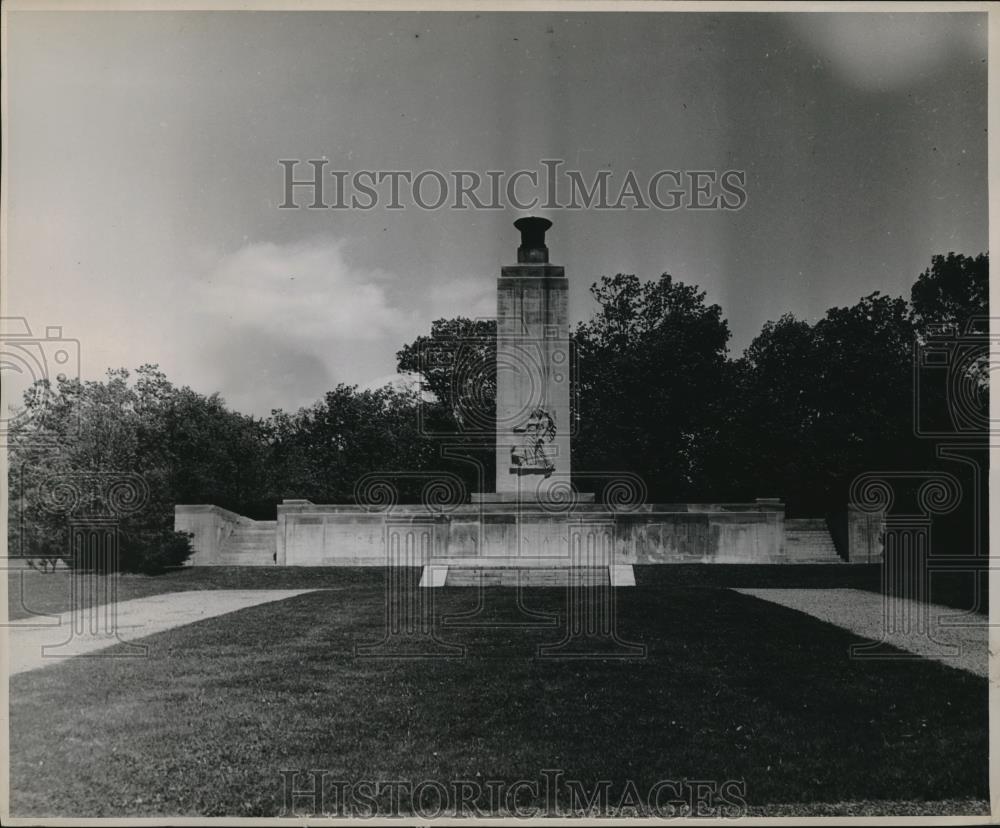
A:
(89, 631)
(902, 623)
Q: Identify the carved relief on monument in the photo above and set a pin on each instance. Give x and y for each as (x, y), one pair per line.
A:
(533, 454)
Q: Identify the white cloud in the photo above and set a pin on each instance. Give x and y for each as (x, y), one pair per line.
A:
(884, 51)
(303, 292)
(280, 324)
(474, 298)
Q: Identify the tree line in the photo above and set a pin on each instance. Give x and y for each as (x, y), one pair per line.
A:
(807, 407)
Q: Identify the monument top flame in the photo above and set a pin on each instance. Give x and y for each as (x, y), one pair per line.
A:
(532, 249)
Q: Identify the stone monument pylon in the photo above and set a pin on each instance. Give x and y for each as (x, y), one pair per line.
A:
(533, 372)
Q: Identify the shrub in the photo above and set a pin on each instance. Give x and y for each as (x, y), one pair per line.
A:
(154, 554)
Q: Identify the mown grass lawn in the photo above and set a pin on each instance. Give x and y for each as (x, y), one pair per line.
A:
(729, 688)
(33, 593)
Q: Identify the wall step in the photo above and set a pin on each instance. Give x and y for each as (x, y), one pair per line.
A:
(252, 544)
(527, 577)
(509, 562)
(818, 524)
(808, 541)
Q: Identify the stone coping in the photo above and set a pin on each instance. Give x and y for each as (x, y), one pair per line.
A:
(532, 508)
(208, 508)
(532, 271)
(514, 497)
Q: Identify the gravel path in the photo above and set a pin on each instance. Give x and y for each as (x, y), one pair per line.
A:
(916, 628)
(31, 645)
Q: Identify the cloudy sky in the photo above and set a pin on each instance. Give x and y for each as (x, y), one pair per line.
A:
(144, 180)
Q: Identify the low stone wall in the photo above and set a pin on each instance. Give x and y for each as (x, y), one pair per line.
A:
(307, 534)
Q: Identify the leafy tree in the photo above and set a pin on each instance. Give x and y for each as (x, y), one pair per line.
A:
(952, 291)
(323, 451)
(457, 366)
(823, 403)
(84, 435)
(865, 358)
(771, 448)
(950, 312)
(652, 366)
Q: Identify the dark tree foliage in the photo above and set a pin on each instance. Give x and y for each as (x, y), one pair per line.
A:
(952, 291)
(457, 364)
(950, 302)
(322, 453)
(804, 410)
(777, 401)
(188, 448)
(75, 440)
(827, 402)
(652, 362)
(950, 315)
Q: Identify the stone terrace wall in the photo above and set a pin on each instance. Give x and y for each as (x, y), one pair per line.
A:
(308, 534)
